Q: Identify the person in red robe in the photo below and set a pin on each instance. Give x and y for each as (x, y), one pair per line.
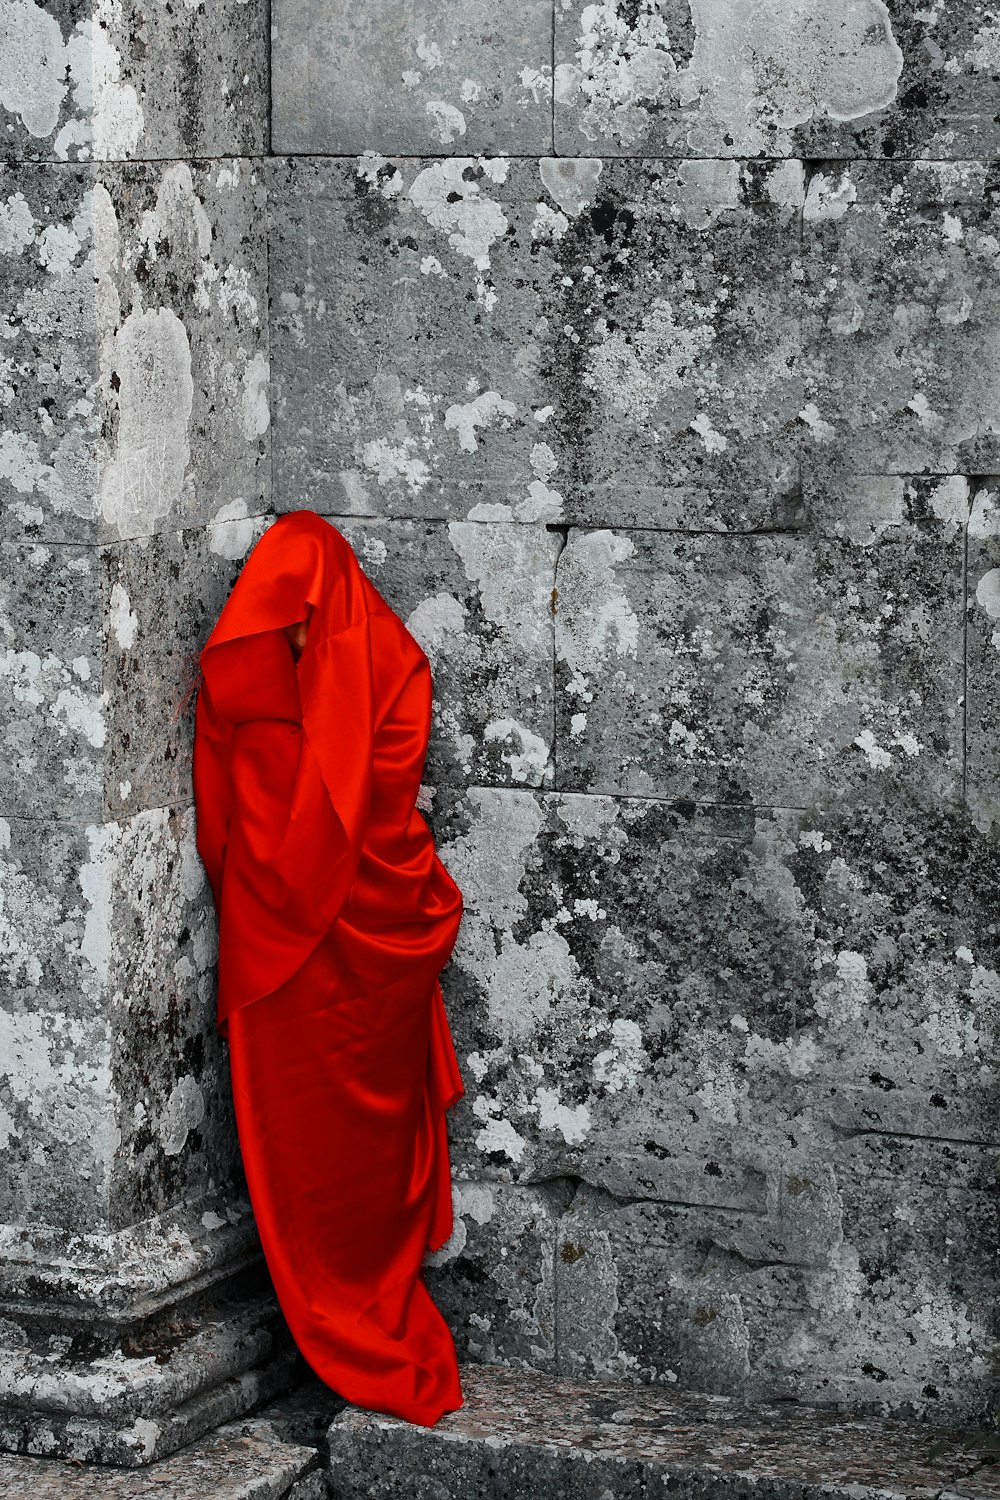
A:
(336, 917)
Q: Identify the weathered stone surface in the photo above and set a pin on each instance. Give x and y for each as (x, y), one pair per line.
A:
(844, 1290)
(126, 1274)
(411, 78)
(98, 720)
(134, 381)
(494, 1279)
(781, 1024)
(651, 993)
(984, 654)
(160, 598)
(766, 669)
(113, 1086)
(240, 1461)
(479, 600)
(899, 333)
(85, 80)
(521, 1434)
(494, 346)
(708, 78)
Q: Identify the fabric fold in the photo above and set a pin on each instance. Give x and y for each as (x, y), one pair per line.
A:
(336, 917)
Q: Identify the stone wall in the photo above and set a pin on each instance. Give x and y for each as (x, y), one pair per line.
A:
(134, 467)
(663, 406)
(646, 353)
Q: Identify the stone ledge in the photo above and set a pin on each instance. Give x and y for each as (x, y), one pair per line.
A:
(134, 1396)
(132, 1272)
(524, 1433)
(244, 1461)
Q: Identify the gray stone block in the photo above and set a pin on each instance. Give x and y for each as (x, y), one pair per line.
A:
(124, 1275)
(85, 81)
(494, 1279)
(763, 1032)
(478, 598)
(901, 369)
(239, 1461)
(113, 1085)
(650, 994)
(491, 349)
(711, 79)
(100, 658)
(412, 78)
(983, 616)
(776, 670)
(866, 1283)
(134, 381)
(160, 598)
(408, 284)
(520, 1434)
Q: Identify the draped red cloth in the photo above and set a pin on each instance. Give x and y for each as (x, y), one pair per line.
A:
(335, 918)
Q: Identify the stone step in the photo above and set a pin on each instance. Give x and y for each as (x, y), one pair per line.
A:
(245, 1460)
(522, 1434)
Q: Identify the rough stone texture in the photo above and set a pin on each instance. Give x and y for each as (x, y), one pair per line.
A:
(240, 1461)
(113, 80)
(483, 339)
(712, 78)
(478, 599)
(113, 1086)
(983, 659)
(134, 476)
(521, 1434)
(500, 1257)
(134, 372)
(899, 333)
(413, 77)
(128, 1396)
(766, 669)
(765, 1038)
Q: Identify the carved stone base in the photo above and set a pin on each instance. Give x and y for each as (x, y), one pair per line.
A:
(156, 1336)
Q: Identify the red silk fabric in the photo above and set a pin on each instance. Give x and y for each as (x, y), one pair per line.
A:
(335, 918)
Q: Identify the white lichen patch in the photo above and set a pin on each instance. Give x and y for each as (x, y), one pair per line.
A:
(618, 70)
(435, 621)
(183, 1112)
(619, 1065)
(38, 66)
(573, 1123)
(758, 69)
(571, 181)
(371, 167)
(231, 530)
(829, 197)
(594, 615)
(489, 408)
(122, 619)
(143, 481)
(526, 753)
(457, 206)
(256, 410)
(510, 567)
(17, 226)
(448, 120)
(500, 1135)
(984, 517)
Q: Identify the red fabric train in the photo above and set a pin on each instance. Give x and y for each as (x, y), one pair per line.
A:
(336, 917)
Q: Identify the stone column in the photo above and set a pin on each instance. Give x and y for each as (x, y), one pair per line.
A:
(134, 463)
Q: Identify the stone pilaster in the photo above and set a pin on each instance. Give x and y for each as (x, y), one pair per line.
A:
(134, 469)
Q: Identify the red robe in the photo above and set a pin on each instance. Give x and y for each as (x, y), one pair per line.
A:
(336, 917)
